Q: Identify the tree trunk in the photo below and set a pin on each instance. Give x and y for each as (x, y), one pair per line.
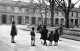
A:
(40, 9)
(45, 19)
(41, 18)
(67, 19)
(52, 14)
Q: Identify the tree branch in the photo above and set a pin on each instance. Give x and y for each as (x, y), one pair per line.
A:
(60, 5)
(74, 4)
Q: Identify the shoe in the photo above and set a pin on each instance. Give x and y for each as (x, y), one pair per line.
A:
(13, 42)
(55, 45)
(33, 45)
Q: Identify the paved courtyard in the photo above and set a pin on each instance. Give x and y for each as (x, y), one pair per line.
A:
(23, 42)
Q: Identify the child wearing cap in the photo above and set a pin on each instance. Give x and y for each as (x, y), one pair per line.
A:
(32, 37)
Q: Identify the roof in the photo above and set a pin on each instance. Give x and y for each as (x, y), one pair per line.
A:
(75, 10)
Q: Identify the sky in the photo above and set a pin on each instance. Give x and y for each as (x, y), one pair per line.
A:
(77, 5)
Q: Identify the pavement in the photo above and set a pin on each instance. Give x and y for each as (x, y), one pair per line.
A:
(23, 42)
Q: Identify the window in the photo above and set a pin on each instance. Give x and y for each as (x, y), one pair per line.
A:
(39, 19)
(4, 8)
(27, 10)
(34, 10)
(8, 9)
(56, 21)
(1, 8)
(72, 21)
(76, 14)
(57, 13)
(72, 14)
(11, 18)
(26, 19)
(76, 21)
(62, 21)
(16, 10)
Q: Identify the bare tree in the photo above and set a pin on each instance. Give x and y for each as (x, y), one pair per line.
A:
(66, 6)
(42, 8)
(52, 2)
(53, 10)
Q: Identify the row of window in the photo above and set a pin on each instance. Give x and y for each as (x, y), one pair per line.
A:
(57, 21)
(19, 19)
(75, 14)
(16, 9)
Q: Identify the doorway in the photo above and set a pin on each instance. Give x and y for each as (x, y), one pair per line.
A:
(11, 18)
(19, 19)
(33, 20)
(4, 19)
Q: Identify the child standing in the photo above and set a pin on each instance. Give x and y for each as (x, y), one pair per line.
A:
(56, 38)
(33, 37)
(13, 32)
(50, 38)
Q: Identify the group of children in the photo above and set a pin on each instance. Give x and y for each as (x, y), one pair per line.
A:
(52, 37)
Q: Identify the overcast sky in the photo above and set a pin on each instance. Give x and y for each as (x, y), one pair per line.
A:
(35, 0)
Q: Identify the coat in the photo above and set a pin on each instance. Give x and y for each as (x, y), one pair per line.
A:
(61, 30)
(13, 31)
(50, 38)
(32, 35)
(56, 37)
(39, 27)
(44, 34)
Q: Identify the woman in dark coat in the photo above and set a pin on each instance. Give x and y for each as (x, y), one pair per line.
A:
(56, 37)
(44, 34)
(13, 32)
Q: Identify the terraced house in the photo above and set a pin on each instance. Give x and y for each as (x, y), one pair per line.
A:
(19, 12)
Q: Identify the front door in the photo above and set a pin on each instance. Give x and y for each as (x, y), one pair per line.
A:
(4, 19)
(12, 18)
(19, 19)
(33, 20)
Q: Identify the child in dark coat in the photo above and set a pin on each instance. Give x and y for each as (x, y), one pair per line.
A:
(13, 32)
(32, 37)
(56, 37)
(50, 38)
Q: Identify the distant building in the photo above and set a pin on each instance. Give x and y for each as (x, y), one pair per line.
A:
(11, 11)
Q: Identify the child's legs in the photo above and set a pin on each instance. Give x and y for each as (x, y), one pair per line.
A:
(12, 38)
(33, 40)
(50, 43)
(56, 43)
(44, 41)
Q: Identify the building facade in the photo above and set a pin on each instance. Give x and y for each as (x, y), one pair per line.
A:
(9, 12)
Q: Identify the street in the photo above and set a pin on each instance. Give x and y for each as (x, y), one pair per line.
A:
(23, 42)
